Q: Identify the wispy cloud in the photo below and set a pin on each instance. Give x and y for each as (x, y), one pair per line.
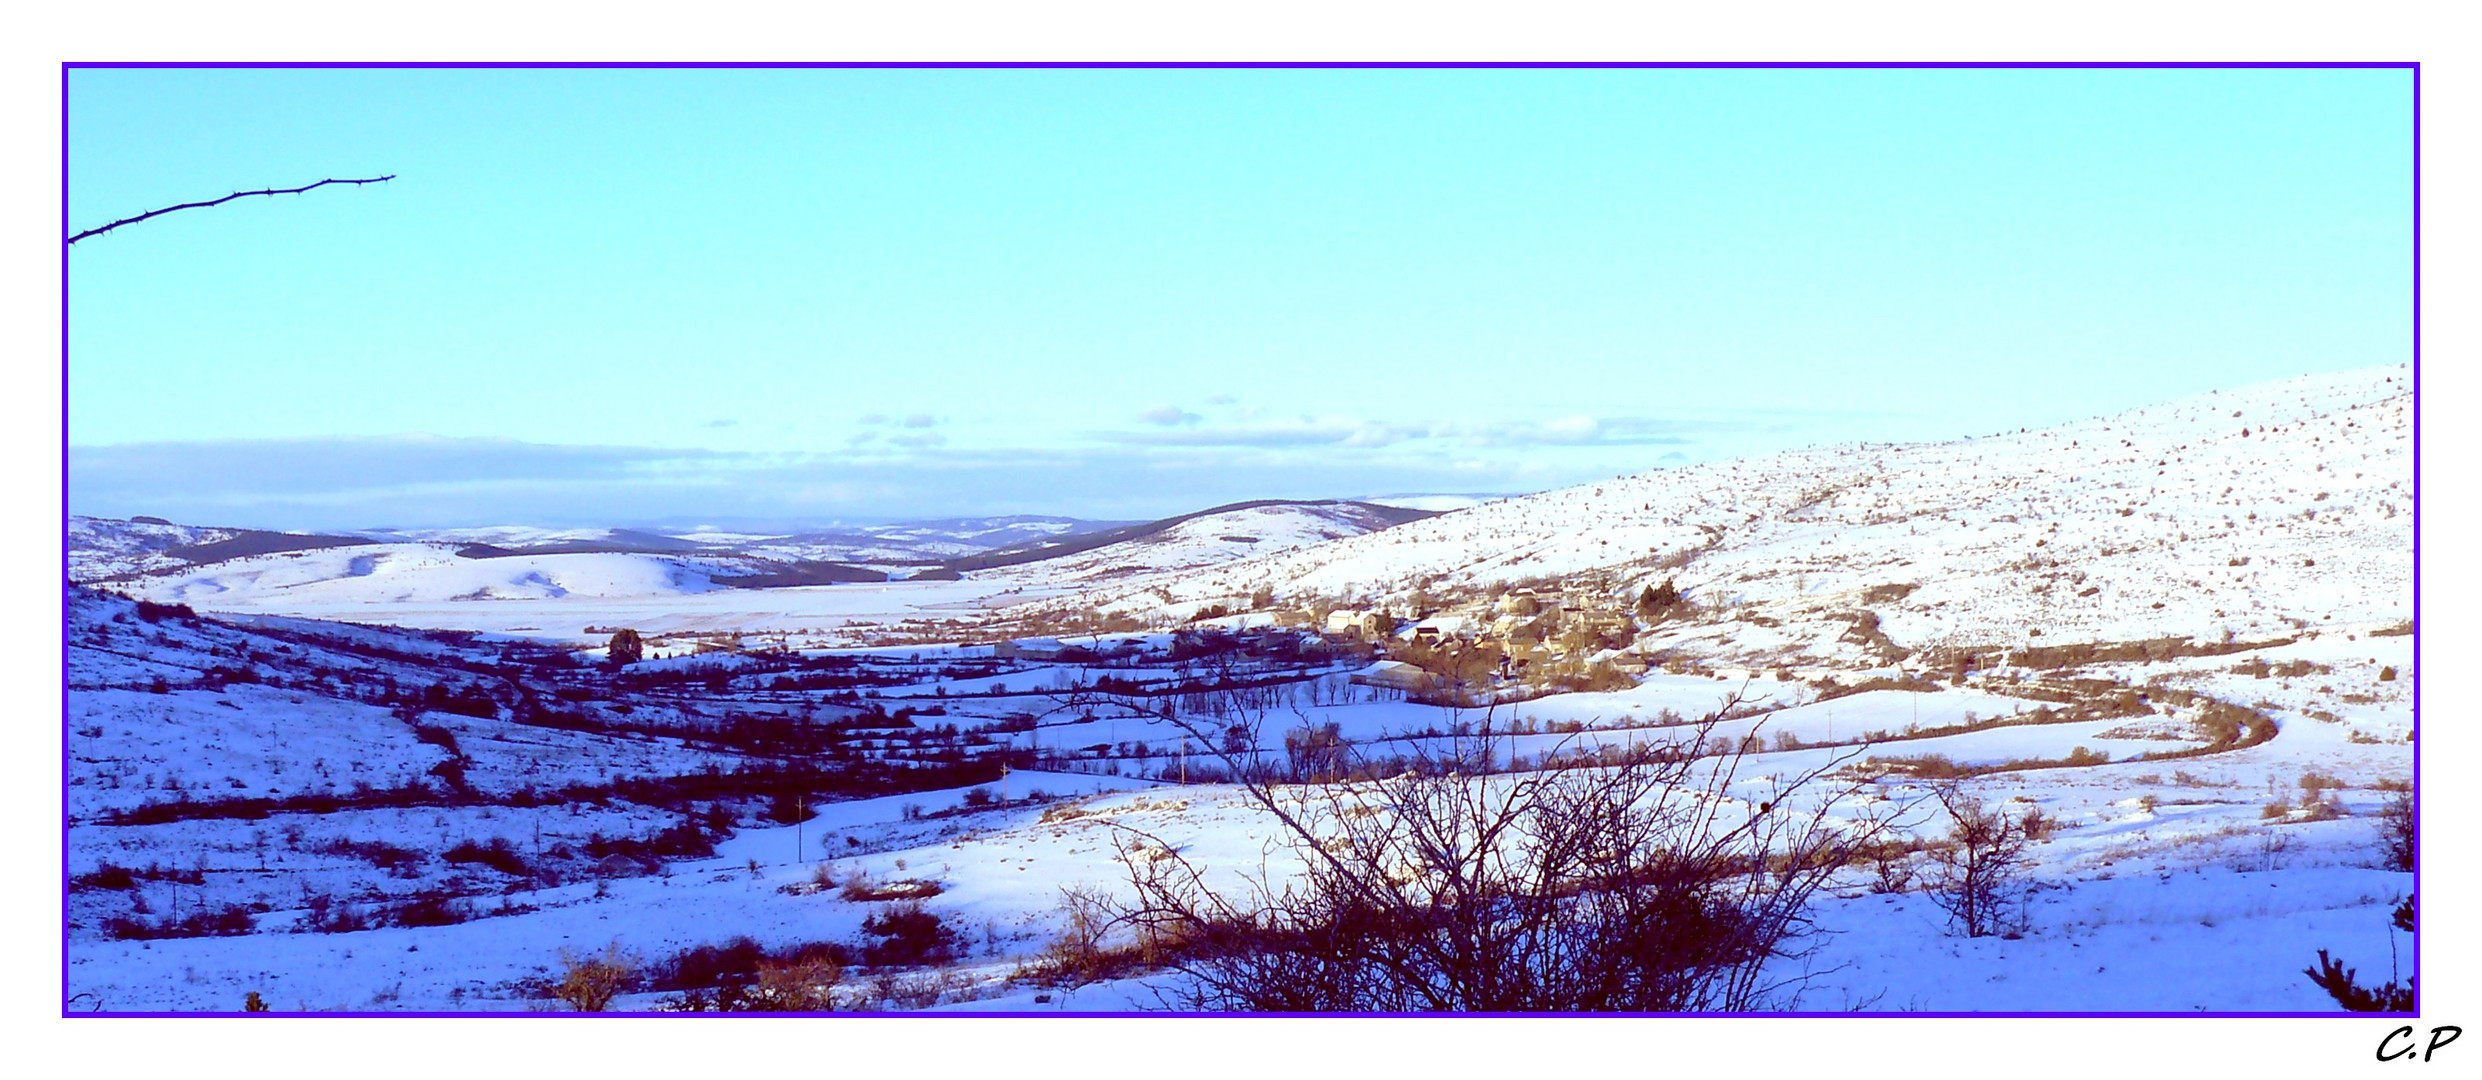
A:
(1169, 416)
(1373, 434)
(1305, 432)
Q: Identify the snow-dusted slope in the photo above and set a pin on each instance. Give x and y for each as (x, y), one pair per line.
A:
(104, 547)
(382, 574)
(903, 543)
(2246, 512)
(1206, 540)
(176, 707)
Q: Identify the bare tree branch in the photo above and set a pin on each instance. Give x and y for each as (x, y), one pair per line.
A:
(1627, 879)
(100, 230)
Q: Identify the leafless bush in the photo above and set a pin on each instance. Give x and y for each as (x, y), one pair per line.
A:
(1979, 876)
(1639, 884)
(588, 982)
(2321, 808)
(1078, 956)
(2040, 827)
(1892, 865)
(807, 985)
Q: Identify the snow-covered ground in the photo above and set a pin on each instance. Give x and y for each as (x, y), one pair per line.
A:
(1206, 540)
(1964, 588)
(534, 597)
(433, 580)
(2248, 513)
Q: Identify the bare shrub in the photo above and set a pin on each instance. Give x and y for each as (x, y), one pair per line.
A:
(907, 936)
(2040, 827)
(1078, 955)
(2321, 808)
(806, 985)
(1892, 865)
(1979, 876)
(1926, 766)
(741, 975)
(588, 982)
(1637, 883)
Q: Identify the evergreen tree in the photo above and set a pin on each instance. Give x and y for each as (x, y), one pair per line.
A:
(2391, 996)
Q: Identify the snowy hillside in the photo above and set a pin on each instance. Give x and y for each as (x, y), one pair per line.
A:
(894, 544)
(2245, 513)
(383, 574)
(473, 579)
(2174, 646)
(1207, 540)
(219, 561)
(104, 547)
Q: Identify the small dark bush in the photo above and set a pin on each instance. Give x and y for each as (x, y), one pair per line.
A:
(2399, 832)
(438, 736)
(379, 853)
(733, 963)
(789, 808)
(107, 876)
(434, 910)
(473, 701)
(2392, 996)
(154, 612)
(908, 936)
(228, 921)
(738, 963)
(496, 854)
(1926, 766)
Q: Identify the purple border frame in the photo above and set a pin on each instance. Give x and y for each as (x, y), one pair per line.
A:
(2410, 65)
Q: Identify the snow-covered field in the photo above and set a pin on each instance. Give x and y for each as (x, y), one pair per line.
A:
(432, 579)
(2181, 635)
(826, 614)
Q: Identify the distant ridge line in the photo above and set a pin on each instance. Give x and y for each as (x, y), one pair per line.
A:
(1079, 543)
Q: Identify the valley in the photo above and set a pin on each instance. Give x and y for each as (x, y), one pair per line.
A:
(2175, 648)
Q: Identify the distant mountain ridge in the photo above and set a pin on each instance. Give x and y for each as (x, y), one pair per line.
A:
(107, 549)
(1020, 554)
(237, 569)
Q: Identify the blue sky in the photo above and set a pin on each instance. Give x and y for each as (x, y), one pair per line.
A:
(673, 296)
